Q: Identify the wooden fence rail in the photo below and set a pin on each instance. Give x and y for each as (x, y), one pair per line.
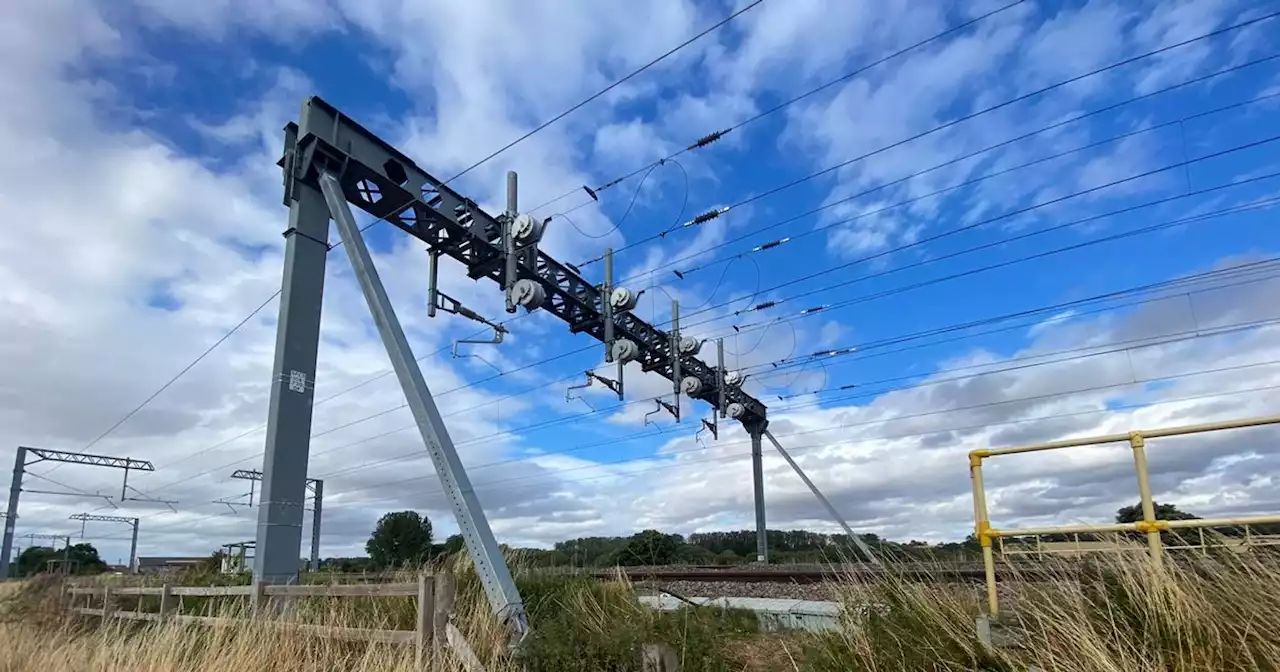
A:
(432, 631)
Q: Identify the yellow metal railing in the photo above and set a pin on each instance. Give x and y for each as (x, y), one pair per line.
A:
(1116, 543)
(1148, 525)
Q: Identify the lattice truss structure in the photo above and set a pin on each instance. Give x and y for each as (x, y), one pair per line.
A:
(383, 182)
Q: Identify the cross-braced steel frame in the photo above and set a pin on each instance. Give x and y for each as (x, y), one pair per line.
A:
(331, 163)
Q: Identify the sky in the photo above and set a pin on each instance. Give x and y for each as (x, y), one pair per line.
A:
(1010, 239)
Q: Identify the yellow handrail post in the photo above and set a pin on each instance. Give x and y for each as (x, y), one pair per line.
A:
(1150, 526)
(982, 528)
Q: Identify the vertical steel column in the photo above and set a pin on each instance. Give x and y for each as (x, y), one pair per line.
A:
(491, 567)
(509, 276)
(133, 549)
(284, 465)
(756, 430)
(318, 491)
(11, 513)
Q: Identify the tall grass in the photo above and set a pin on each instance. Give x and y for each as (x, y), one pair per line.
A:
(1114, 613)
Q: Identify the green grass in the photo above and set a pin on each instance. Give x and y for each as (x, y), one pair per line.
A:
(1199, 614)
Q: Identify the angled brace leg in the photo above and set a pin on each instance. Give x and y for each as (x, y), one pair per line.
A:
(857, 541)
(491, 567)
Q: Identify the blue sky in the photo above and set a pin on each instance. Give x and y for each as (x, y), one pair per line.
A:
(171, 115)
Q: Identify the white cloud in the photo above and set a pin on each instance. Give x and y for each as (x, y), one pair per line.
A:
(126, 253)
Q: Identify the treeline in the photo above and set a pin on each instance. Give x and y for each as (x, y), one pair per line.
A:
(404, 539)
(652, 547)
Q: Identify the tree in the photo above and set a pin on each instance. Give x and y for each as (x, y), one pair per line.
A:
(400, 538)
(1132, 514)
(84, 559)
(649, 547)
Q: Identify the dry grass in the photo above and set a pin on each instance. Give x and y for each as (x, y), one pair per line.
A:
(1203, 614)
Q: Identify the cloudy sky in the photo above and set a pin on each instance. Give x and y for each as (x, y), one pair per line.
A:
(1076, 249)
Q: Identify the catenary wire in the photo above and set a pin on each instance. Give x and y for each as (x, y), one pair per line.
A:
(1177, 282)
(467, 170)
(1074, 354)
(1014, 213)
(1195, 80)
(378, 414)
(712, 137)
(712, 214)
(829, 308)
(768, 245)
(273, 296)
(578, 417)
(679, 214)
(847, 353)
(558, 421)
(846, 426)
(608, 88)
(801, 449)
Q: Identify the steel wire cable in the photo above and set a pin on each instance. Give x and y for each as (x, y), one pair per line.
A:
(775, 244)
(1177, 282)
(712, 137)
(609, 88)
(1024, 363)
(571, 418)
(277, 293)
(990, 220)
(263, 305)
(577, 417)
(865, 298)
(801, 449)
(950, 124)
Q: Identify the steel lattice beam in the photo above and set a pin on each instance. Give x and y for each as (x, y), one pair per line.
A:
(90, 459)
(94, 518)
(255, 475)
(383, 182)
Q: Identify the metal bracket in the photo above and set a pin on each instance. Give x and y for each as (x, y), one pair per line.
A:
(148, 498)
(663, 406)
(712, 426)
(230, 502)
(497, 338)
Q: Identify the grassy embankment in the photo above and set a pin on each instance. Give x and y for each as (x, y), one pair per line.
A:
(1202, 615)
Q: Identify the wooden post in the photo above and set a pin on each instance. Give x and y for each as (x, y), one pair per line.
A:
(258, 602)
(166, 600)
(424, 630)
(446, 589)
(106, 603)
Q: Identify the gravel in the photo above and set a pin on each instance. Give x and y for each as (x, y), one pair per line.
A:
(792, 591)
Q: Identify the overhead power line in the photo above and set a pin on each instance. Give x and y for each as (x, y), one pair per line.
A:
(720, 211)
(997, 218)
(845, 427)
(1018, 364)
(560, 421)
(827, 309)
(1024, 136)
(509, 145)
(716, 135)
(607, 89)
(946, 430)
(775, 244)
(1178, 283)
